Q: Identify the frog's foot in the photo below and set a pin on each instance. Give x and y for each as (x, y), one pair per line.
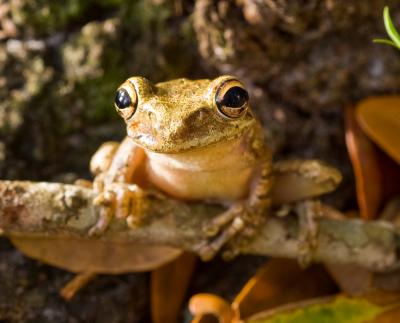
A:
(235, 226)
(308, 211)
(119, 200)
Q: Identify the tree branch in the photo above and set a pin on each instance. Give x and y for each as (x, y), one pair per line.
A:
(51, 210)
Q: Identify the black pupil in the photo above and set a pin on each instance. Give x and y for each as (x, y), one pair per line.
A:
(122, 99)
(235, 97)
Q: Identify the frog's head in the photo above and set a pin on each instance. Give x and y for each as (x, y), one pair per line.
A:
(182, 114)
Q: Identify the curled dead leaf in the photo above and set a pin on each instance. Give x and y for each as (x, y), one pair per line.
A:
(376, 174)
(379, 117)
(364, 159)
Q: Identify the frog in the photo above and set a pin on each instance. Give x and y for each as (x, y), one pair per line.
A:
(199, 140)
(193, 140)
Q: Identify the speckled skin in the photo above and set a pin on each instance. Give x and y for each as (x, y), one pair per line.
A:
(181, 144)
(181, 115)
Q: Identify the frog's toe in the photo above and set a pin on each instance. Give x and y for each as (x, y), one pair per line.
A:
(105, 216)
(209, 249)
(214, 226)
(232, 230)
(237, 244)
(120, 201)
(105, 202)
(133, 205)
(106, 198)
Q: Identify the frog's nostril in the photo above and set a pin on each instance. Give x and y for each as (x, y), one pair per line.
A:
(198, 116)
(152, 118)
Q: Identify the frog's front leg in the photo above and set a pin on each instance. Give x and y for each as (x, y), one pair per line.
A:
(239, 223)
(103, 157)
(113, 171)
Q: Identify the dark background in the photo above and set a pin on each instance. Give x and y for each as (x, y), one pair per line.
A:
(60, 63)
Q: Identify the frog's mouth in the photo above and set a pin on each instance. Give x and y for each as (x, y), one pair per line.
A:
(188, 139)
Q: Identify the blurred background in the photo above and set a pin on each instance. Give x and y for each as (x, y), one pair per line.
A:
(60, 63)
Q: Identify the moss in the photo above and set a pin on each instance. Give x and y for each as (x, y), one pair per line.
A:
(143, 14)
(23, 76)
(44, 17)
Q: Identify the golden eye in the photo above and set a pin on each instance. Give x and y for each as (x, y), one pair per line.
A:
(232, 99)
(126, 100)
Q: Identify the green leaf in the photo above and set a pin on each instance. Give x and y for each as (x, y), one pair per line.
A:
(384, 41)
(390, 29)
(341, 309)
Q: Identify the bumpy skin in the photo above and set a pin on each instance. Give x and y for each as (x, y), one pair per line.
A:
(180, 143)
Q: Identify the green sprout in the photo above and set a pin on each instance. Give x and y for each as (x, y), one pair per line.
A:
(391, 30)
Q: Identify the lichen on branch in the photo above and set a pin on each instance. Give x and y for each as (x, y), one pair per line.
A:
(59, 210)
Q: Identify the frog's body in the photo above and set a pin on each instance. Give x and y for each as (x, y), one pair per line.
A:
(221, 172)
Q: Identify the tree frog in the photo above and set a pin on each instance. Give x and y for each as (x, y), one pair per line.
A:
(199, 140)
(192, 140)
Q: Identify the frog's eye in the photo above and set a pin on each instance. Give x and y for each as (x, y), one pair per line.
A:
(232, 99)
(126, 100)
